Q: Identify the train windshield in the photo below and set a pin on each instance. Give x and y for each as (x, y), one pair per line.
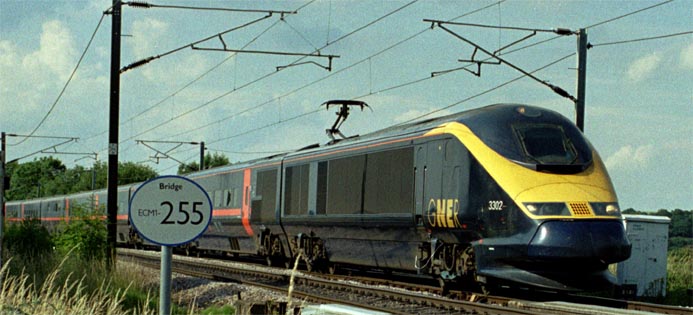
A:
(536, 138)
(546, 144)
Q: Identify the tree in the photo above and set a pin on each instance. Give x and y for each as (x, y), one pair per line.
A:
(681, 223)
(211, 161)
(130, 172)
(48, 176)
(36, 179)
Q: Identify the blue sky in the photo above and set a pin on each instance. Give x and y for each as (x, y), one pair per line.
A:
(639, 96)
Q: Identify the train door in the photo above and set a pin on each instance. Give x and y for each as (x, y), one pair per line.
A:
(428, 181)
(445, 183)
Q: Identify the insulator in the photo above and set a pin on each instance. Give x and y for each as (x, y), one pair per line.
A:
(138, 4)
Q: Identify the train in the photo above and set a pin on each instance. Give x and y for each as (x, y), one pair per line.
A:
(506, 194)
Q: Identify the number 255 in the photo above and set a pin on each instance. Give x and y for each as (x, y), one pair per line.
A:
(183, 208)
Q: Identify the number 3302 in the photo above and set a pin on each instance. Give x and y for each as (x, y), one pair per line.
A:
(495, 205)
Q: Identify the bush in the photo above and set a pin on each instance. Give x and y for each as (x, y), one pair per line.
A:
(84, 234)
(679, 242)
(28, 248)
(28, 239)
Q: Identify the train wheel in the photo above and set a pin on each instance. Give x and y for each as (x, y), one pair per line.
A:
(332, 268)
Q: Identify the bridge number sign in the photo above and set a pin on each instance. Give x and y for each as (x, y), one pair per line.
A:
(170, 210)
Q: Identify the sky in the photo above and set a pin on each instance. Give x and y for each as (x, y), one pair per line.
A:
(639, 94)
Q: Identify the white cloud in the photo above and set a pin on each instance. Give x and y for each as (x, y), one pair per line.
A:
(56, 51)
(146, 36)
(687, 57)
(643, 67)
(630, 158)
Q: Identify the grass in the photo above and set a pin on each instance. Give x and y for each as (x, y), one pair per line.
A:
(66, 273)
(19, 295)
(71, 288)
(679, 276)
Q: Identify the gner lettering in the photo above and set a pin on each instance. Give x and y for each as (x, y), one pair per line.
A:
(443, 213)
(170, 186)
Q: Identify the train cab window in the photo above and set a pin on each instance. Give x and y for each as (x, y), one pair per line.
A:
(546, 144)
(296, 189)
(389, 184)
(345, 185)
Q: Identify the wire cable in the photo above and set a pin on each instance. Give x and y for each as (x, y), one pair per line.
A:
(488, 90)
(268, 74)
(91, 39)
(640, 39)
(338, 72)
(324, 78)
(162, 6)
(629, 14)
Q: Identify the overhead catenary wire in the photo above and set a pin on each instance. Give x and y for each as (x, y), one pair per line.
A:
(268, 74)
(336, 73)
(628, 14)
(591, 26)
(408, 121)
(191, 45)
(146, 5)
(353, 65)
(418, 80)
(67, 83)
(639, 39)
(488, 90)
(198, 78)
(424, 79)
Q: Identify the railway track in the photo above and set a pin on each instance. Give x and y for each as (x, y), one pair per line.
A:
(384, 295)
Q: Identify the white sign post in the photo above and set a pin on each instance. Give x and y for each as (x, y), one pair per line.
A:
(169, 211)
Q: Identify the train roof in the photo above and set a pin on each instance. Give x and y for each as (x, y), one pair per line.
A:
(483, 121)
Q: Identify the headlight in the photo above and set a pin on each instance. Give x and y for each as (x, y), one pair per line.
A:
(548, 208)
(606, 208)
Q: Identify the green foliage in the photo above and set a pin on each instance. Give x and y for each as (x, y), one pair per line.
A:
(219, 310)
(681, 223)
(211, 161)
(35, 179)
(138, 301)
(679, 276)
(130, 172)
(680, 242)
(84, 234)
(48, 176)
(27, 239)
(28, 248)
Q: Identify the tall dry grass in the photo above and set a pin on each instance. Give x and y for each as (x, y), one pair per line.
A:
(18, 295)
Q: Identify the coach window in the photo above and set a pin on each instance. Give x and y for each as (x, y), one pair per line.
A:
(265, 199)
(296, 192)
(345, 185)
(218, 197)
(389, 182)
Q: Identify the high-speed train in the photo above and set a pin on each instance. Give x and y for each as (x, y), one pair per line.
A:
(506, 193)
